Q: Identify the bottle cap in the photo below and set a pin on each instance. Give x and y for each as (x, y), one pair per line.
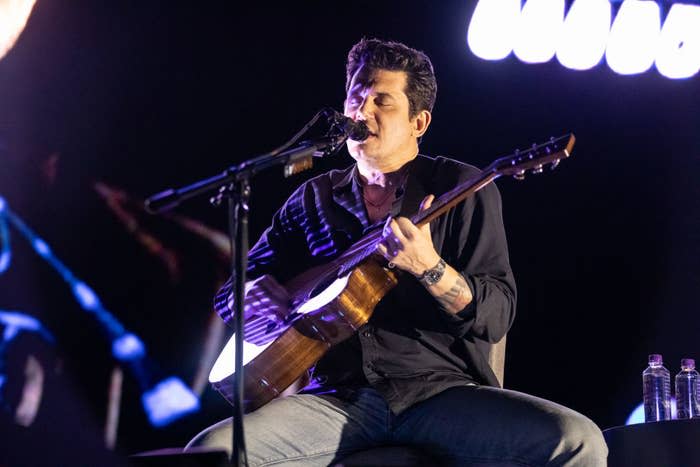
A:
(656, 359)
(688, 363)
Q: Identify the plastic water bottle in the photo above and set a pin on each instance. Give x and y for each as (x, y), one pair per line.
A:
(687, 390)
(657, 390)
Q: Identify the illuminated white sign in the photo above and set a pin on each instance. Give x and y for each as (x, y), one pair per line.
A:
(632, 43)
(585, 34)
(678, 50)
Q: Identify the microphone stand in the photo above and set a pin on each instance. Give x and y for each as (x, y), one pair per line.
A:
(234, 184)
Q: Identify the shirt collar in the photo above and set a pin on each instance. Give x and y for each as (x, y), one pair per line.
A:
(346, 179)
(417, 187)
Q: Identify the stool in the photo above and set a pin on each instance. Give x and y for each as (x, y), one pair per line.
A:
(667, 443)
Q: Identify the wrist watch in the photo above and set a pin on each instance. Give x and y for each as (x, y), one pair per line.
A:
(433, 275)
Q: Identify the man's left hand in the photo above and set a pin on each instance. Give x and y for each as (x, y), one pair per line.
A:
(408, 247)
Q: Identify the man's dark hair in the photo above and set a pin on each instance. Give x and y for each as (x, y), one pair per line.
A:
(376, 54)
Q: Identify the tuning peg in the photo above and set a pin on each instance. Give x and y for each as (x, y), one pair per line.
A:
(520, 175)
(554, 164)
(537, 169)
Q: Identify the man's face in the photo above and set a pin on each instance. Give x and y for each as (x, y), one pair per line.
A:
(378, 98)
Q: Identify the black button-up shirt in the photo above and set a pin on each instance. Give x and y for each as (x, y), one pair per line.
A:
(411, 349)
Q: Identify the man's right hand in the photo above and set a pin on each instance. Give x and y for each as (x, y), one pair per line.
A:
(265, 297)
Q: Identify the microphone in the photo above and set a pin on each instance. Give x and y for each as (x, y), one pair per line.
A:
(355, 130)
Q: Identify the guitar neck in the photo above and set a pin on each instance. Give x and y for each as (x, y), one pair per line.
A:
(516, 165)
(453, 197)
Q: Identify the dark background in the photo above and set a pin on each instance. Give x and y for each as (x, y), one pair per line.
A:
(151, 95)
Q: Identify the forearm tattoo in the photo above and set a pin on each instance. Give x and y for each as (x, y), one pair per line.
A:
(452, 297)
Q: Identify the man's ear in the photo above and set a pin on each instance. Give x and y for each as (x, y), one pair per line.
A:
(421, 122)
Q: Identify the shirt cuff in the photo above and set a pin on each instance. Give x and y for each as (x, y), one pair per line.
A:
(460, 322)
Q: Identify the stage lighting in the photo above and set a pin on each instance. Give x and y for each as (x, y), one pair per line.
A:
(5, 258)
(633, 43)
(634, 37)
(13, 17)
(491, 29)
(167, 401)
(164, 399)
(41, 248)
(31, 381)
(538, 30)
(128, 347)
(584, 34)
(678, 53)
(5, 252)
(637, 415)
(85, 296)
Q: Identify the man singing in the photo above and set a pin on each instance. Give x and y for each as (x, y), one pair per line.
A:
(417, 373)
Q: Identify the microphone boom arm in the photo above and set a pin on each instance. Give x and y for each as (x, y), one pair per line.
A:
(294, 160)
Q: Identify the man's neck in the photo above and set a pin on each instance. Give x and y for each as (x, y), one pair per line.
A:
(375, 174)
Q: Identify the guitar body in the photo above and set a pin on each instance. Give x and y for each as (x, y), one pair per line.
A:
(270, 369)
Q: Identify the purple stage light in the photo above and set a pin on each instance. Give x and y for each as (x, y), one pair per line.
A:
(167, 401)
(85, 296)
(128, 347)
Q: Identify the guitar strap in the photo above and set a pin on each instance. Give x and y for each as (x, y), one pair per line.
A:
(416, 188)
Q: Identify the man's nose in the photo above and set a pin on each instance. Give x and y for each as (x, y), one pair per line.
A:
(365, 110)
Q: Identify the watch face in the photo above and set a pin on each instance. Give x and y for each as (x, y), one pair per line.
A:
(433, 276)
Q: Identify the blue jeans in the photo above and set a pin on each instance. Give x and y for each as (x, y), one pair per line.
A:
(466, 425)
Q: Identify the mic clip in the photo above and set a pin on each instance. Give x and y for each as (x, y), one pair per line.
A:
(342, 125)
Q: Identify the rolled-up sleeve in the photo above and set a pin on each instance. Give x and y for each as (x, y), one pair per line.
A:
(482, 259)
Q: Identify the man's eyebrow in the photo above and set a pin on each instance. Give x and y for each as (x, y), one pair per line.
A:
(361, 83)
(357, 87)
(354, 90)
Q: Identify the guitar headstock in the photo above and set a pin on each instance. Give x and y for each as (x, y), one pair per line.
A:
(534, 160)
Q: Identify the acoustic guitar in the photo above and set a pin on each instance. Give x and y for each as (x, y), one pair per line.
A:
(330, 302)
